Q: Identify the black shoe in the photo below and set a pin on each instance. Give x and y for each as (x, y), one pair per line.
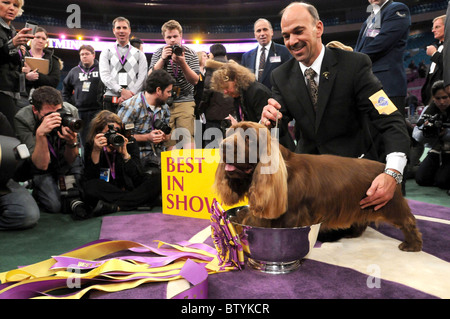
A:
(79, 210)
(104, 208)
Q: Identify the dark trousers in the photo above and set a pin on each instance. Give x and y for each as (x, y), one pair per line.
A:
(8, 106)
(143, 195)
(434, 171)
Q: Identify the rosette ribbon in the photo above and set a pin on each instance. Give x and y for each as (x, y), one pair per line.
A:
(228, 245)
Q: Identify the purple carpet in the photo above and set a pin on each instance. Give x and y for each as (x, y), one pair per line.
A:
(313, 280)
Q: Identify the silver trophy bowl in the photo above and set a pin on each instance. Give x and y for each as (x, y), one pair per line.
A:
(274, 250)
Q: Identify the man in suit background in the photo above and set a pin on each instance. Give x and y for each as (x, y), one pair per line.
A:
(383, 37)
(274, 54)
(343, 91)
(435, 72)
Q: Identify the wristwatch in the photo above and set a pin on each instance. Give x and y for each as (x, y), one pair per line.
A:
(73, 145)
(397, 176)
(120, 90)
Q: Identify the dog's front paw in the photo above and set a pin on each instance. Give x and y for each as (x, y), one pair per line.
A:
(410, 246)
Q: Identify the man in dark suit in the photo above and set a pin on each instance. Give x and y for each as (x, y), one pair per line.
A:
(274, 54)
(446, 52)
(348, 95)
(383, 37)
(435, 72)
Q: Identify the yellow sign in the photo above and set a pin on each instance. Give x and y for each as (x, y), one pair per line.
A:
(187, 182)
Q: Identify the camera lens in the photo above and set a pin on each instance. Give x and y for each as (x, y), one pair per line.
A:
(116, 140)
(177, 50)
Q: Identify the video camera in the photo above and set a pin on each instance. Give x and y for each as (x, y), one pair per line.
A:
(433, 125)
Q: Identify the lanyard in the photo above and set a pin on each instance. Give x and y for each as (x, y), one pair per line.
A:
(174, 70)
(86, 73)
(151, 114)
(113, 165)
(124, 58)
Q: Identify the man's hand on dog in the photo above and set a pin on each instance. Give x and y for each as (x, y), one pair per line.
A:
(380, 192)
(270, 113)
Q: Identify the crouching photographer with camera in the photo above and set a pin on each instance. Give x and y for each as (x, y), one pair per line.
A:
(50, 129)
(114, 179)
(150, 115)
(433, 129)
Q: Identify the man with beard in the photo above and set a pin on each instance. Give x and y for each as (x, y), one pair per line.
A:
(150, 115)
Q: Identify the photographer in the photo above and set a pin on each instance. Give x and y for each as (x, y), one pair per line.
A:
(50, 131)
(114, 179)
(182, 63)
(433, 128)
(150, 115)
(18, 209)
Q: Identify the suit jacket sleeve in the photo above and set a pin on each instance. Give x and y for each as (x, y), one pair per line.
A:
(446, 51)
(396, 21)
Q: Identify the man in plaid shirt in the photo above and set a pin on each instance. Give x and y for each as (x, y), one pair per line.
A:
(150, 115)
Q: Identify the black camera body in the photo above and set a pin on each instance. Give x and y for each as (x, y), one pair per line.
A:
(113, 137)
(177, 50)
(67, 119)
(161, 125)
(433, 126)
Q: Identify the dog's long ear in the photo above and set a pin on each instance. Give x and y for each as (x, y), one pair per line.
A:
(268, 195)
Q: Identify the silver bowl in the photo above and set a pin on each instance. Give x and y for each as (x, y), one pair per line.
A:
(274, 250)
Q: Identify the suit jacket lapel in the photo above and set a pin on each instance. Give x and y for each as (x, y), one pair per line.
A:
(328, 73)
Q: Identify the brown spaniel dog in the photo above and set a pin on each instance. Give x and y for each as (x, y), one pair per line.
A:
(285, 189)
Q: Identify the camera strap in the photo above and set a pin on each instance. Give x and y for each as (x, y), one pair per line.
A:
(174, 70)
(112, 165)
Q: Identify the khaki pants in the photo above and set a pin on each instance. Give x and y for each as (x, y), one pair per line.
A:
(182, 116)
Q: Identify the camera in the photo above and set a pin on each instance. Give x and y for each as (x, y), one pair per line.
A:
(113, 137)
(433, 126)
(177, 50)
(161, 125)
(67, 119)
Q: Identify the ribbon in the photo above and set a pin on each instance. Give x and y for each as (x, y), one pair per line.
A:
(80, 270)
(228, 245)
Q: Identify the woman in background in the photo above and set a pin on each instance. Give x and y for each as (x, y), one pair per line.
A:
(114, 178)
(11, 57)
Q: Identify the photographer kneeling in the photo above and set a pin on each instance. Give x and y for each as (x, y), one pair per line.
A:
(50, 129)
(433, 128)
(114, 178)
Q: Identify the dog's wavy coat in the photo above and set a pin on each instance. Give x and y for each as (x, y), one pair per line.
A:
(285, 189)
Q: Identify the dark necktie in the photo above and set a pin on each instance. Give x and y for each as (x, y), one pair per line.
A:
(262, 63)
(312, 85)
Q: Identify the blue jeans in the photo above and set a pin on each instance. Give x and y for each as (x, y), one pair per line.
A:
(18, 210)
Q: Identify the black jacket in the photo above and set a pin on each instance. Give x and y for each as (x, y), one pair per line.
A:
(87, 99)
(54, 72)
(10, 62)
(129, 175)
